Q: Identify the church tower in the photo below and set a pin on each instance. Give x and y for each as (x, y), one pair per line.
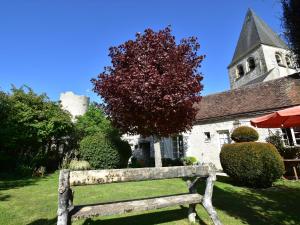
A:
(260, 54)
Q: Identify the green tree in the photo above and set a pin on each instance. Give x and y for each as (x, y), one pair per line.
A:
(291, 23)
(31, 125)
(95, 122)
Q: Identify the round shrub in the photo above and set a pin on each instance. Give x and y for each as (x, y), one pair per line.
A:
(253, 164)
(100, 152)
(189, 161)
(244, 134)
(79, 165)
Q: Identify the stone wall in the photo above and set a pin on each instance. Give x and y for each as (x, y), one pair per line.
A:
(207, 151)
(196, 143)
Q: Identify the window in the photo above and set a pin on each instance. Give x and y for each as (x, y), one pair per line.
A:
(251, 63)
(287, 137)
(288, 61)
(207, 137)
(240, 71)
(224, 137)
(297, 135)
(291, 136)
(177, 143)
(278, 59)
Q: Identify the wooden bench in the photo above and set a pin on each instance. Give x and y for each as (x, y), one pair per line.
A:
(67, 211)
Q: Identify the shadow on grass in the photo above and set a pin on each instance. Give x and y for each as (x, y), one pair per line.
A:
(144, 219)
(4, 197)
(275, 205)
(44, 222)
(9, 181)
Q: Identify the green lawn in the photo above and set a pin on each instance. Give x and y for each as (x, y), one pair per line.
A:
(34, 202)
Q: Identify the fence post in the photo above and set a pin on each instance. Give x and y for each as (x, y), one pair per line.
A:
(207, 198)
(64, 190)
(192, 186)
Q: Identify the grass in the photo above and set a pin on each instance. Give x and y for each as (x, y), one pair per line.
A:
(34, 202)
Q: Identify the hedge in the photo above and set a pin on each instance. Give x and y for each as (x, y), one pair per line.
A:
(102, 153)
(244, 134)
(253, 164)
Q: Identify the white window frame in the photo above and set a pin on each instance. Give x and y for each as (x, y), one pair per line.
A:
(220, 132)
(287, 140)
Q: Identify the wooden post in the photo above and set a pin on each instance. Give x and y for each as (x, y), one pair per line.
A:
(207, 200)
(192, 186)
(295, 172)
(157, 152)
(64, 201)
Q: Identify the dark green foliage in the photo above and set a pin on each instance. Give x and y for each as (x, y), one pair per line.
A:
(135, 163)
(290, 152)
(276, 140)
(100, 152)
(94, 121)
(171, 162)
(244, 134)
(253, 164)
(291, 23)
(31, 125)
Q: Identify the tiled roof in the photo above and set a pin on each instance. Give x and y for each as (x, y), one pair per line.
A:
(250, 100)
(255, 32)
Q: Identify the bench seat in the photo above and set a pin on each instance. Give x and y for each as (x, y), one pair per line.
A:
(113, 208)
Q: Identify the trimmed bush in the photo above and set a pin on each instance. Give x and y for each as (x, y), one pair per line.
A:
(244, 134)
(100, 152)
(79, 165)
(253, 164)
(188, 161)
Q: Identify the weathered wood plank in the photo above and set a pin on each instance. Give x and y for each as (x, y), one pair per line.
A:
(207, 199)
(192, 186)
(107, 209)
(138, 174)
(63, 217)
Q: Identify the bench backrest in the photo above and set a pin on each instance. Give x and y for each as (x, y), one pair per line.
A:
(124, 175)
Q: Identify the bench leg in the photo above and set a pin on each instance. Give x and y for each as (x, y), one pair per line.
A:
(207, 199)
(295, 172)
(64, 192)
(192, 186)
(192, 213)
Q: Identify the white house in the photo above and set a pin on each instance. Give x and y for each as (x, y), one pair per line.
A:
(263, 78)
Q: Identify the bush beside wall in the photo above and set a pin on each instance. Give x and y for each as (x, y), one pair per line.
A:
(244, 134)
(253, 164)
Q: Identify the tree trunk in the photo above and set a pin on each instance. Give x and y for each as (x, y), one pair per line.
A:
(157, 152)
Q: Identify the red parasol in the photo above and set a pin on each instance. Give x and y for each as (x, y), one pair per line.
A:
(285, 118)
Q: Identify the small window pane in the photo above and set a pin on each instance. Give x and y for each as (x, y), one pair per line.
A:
(207, 136)
(251, 64)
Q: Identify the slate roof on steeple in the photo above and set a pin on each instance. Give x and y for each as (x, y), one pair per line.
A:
(255, 32)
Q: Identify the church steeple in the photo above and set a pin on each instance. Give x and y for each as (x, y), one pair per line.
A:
(254, 33)
(259, 54)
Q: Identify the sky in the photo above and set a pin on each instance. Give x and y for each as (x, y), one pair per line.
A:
(58, 46)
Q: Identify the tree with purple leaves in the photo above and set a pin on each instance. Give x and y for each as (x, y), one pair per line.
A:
(152, 85)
